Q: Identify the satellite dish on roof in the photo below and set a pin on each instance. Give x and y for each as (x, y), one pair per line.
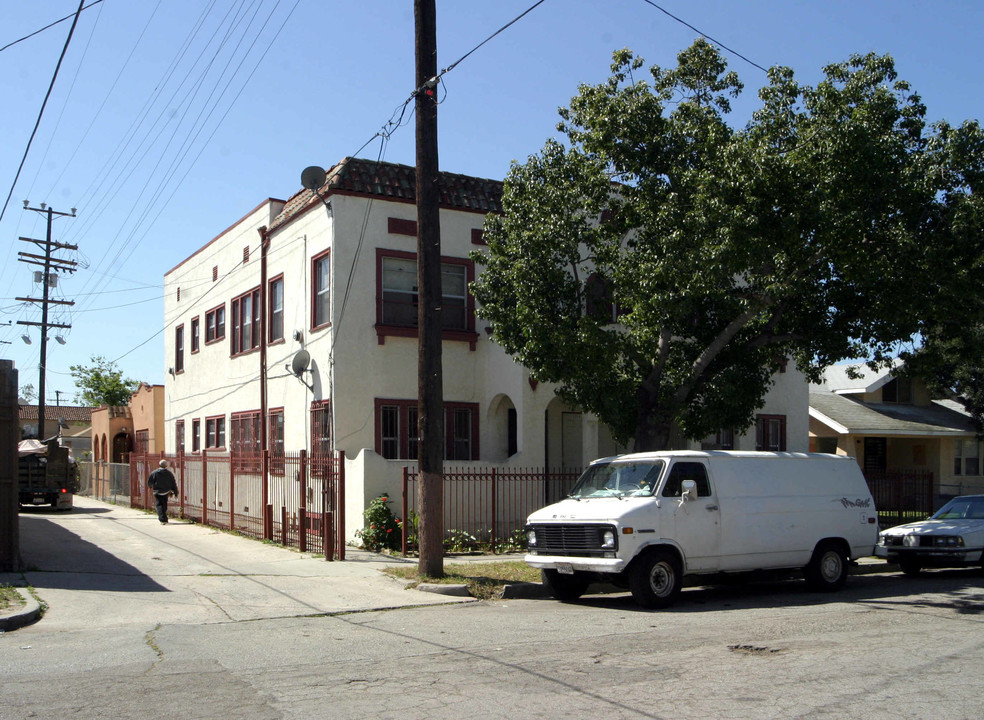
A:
(299, 364)
(313, 177)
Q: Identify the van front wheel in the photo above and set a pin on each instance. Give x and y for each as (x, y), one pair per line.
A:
(655, 579)
(827, 569)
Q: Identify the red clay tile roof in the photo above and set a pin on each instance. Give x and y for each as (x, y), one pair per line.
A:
(71, 413)
(355, 176)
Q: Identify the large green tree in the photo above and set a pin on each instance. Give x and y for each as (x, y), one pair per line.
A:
(949, 356)
(102, 383)
(664, 264)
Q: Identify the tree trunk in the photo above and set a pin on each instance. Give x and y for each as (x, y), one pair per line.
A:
(653, 425)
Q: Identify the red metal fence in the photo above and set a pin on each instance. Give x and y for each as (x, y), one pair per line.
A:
(486, 508)
(294, 499)
(901, 495)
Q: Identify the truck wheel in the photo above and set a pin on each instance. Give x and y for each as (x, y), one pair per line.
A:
(566, 588)
(827, 569)
(655, 579)
(910, 567)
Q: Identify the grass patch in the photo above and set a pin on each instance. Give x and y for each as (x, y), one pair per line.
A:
(10, 599)
(485, 580)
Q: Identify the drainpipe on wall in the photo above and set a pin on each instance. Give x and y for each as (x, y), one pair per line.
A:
(264, 243)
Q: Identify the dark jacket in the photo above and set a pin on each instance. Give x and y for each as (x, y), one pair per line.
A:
(161, 481)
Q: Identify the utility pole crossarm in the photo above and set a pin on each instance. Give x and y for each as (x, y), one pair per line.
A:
(50, 264)
(45, 325)
(41, 300)
(51, 243)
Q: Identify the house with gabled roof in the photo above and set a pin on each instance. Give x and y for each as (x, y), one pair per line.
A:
(896, 430)
(318, 295)
(71, 424)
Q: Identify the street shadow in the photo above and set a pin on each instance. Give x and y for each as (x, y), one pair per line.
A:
(54, 557)
(960, 588)
(45, 510)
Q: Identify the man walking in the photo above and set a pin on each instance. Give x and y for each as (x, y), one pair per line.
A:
(162, 483)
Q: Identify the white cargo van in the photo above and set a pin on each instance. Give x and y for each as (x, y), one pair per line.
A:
(646, 520)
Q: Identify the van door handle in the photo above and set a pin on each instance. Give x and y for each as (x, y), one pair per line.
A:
(712, 507)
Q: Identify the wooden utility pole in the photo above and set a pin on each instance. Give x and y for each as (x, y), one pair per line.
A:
(9, 435)
(430, 390)
(49, 263)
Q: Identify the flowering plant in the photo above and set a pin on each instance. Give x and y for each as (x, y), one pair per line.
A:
(382, 528)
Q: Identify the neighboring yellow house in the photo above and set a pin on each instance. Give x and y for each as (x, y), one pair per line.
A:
(920, 451)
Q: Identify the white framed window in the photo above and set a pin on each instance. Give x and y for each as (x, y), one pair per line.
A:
(967, 457)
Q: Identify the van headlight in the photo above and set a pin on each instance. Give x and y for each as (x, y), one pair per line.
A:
(608, 539)
(531, 537)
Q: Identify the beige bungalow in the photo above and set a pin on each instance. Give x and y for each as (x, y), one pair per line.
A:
(898, 433)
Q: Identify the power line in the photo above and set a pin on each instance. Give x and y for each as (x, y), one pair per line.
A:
(47, 27)
(705, 35)
(41, 113)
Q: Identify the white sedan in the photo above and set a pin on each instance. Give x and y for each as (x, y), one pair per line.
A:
(952, 537)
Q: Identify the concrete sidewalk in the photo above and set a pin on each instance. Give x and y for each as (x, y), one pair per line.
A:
(109, 565)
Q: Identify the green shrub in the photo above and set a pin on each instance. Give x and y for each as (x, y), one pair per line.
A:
(382, 530)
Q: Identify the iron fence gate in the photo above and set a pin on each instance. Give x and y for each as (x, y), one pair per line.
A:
(486, 508)
(901, 495)
(295, 499)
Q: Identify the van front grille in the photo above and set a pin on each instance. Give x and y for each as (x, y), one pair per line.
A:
(569, 539)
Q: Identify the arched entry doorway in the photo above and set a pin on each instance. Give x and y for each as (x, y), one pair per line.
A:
(121, 448)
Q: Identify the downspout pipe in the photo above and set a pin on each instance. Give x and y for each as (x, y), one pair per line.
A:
(264, 431)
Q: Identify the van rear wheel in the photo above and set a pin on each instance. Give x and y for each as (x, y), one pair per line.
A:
(655, 579)
(566, 588)
(827, 569)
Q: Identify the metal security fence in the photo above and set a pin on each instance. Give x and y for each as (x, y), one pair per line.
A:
(109, 482)
(901, 495)
(294, 499)
(486, 508)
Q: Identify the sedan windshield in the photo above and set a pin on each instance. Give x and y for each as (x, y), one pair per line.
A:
(962, 508)
(619, 479)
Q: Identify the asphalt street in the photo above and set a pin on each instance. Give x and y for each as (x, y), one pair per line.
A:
(223, 627)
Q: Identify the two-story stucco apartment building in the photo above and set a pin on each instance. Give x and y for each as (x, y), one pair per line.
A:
(340, 284)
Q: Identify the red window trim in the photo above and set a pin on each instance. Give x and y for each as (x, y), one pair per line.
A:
(319, 406)
(250, 415)
(283, 309)
(213, 311)
(383, 331)
(314, 290)
(196, 326)
(196, 435)
(478, 236)
(179, 349)
(225, 430)
(404, 405)
(782, 431)
(235, 335)
(179, 436)
(399, 226)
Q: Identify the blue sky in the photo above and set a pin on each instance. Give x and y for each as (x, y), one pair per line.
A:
(163, 137)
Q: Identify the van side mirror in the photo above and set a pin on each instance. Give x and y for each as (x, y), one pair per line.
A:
(688, 490)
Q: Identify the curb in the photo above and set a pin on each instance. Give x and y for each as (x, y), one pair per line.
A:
(442, 589)
(524, 591)
(28, 614)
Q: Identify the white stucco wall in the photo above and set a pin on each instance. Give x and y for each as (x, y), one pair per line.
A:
(357, 369)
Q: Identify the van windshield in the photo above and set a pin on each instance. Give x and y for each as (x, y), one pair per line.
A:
(619, 479)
